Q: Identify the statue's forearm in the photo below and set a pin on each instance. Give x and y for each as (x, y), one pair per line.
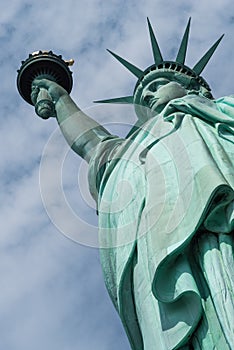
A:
(81, 132)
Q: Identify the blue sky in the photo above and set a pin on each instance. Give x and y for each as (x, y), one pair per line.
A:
(52, 294)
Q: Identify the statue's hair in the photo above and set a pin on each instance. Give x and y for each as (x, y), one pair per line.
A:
(173, 70)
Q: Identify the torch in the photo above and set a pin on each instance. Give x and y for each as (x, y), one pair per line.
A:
(47, 65)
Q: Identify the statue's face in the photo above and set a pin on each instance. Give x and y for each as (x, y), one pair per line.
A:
(160, 91)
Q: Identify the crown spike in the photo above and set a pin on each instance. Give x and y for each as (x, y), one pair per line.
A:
(133, 69)
(198, 68)
(184, 44)
(156, 50)
(125, 99)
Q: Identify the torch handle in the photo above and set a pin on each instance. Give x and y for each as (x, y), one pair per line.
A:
(44, 106)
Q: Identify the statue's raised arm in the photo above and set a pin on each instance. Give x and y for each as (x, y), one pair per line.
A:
(165, 197)
(81, 132)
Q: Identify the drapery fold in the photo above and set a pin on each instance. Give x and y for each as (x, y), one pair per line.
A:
(181, 186)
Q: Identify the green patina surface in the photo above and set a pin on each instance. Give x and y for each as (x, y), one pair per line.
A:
(165, 202)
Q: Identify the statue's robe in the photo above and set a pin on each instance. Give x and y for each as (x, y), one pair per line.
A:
(165, 202)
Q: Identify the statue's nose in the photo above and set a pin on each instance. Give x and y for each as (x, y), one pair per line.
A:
(147, 96)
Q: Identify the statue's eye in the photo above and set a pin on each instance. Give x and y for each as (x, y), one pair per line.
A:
(153, 87)
(157, 84)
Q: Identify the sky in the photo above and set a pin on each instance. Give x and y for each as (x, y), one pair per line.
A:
(52, 294)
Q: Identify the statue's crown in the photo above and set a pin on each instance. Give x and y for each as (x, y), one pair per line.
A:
(161, 67)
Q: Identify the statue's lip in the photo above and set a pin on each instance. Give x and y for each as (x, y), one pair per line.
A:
(153, 101)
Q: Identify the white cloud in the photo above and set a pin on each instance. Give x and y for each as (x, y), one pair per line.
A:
(52, 291)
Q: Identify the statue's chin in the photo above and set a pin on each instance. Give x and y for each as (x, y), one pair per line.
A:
(158, 104)
(158, 107)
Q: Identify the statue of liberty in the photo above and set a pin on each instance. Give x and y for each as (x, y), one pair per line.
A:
(165, 202)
